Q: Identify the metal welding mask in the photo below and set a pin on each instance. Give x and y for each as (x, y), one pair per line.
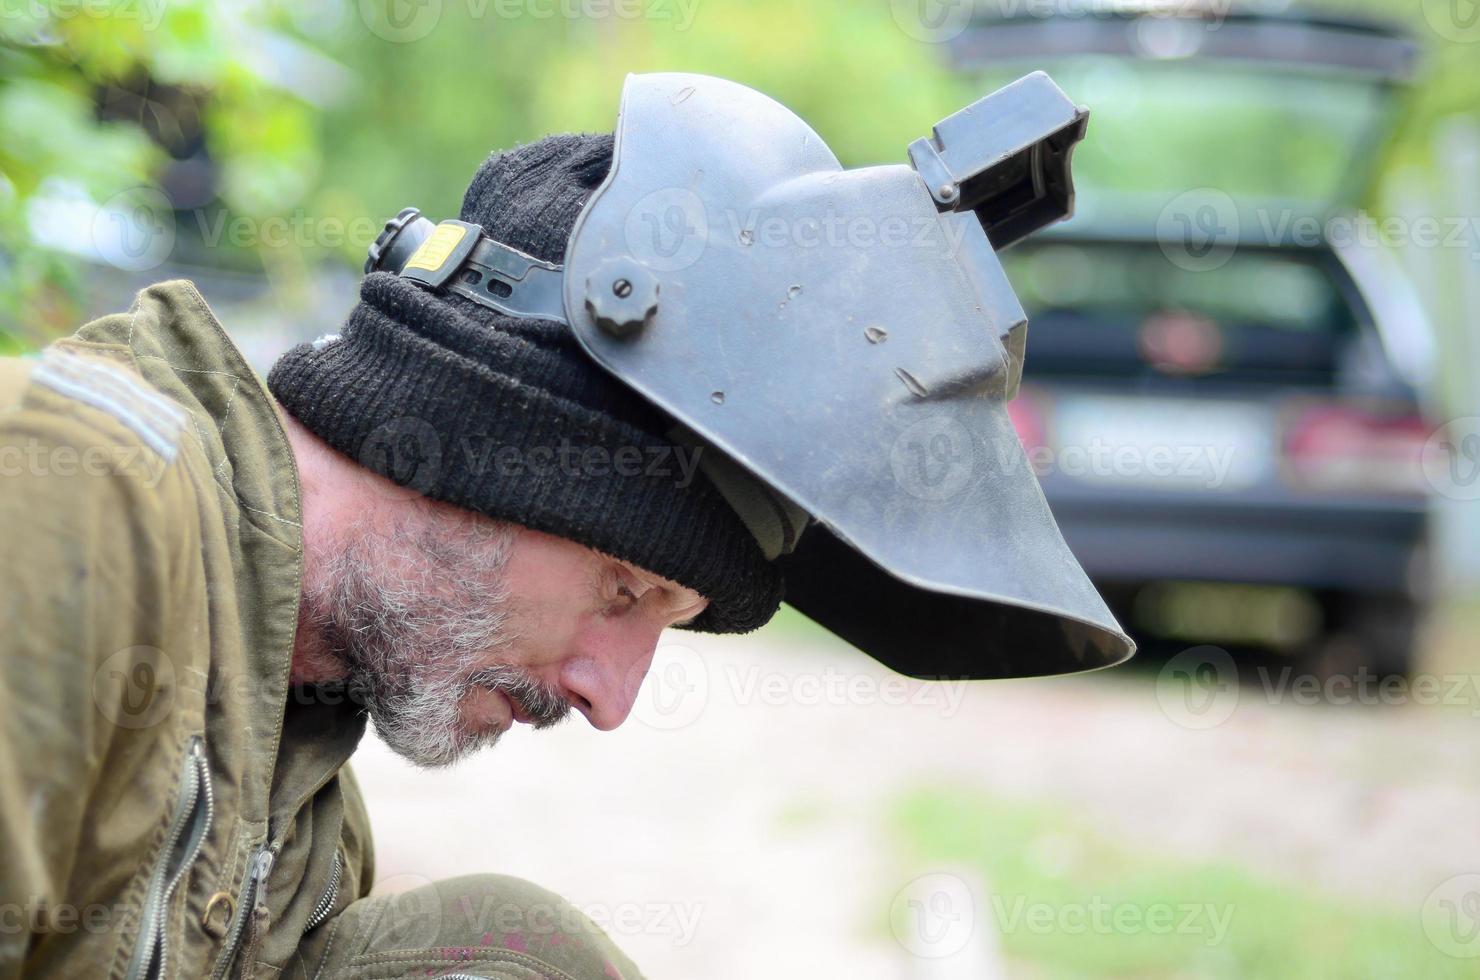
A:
(845, 338)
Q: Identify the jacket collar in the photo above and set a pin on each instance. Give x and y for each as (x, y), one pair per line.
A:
(181, 349)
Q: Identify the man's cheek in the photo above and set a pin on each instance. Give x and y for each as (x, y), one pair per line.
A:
(541, 636)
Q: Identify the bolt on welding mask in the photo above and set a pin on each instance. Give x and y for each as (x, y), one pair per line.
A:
(845, 338)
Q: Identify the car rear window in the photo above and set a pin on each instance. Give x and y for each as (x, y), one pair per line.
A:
(1125, 309)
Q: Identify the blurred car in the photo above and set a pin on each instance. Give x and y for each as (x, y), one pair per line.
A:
(1224, 386)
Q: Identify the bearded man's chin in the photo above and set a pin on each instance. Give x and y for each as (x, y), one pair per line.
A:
(462, 746)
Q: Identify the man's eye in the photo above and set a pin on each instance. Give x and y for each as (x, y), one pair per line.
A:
(620, 595)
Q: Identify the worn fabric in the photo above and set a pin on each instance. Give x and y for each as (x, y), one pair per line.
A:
(168, 805)
(485, 926)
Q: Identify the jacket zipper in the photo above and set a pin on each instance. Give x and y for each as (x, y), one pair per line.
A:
(325, 904)
(249, 903)
(188, 828)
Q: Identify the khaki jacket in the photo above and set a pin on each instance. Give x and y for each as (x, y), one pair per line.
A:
(167, 807)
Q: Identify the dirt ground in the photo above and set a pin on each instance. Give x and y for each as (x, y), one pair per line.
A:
(735, 826)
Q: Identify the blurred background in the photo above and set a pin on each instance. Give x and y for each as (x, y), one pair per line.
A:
(1250, 393)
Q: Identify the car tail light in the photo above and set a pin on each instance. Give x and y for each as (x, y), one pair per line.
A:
(1180, 343)
(1028, 419)
(1341, 447)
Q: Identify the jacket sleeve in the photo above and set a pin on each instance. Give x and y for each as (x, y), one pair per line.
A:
(85, 517)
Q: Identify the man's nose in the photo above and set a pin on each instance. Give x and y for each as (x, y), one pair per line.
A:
(604, 680)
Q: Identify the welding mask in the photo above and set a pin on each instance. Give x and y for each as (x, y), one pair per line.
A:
(846, 339)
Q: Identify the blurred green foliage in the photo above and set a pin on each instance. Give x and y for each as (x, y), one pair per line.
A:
(333, 114)
(99, 98)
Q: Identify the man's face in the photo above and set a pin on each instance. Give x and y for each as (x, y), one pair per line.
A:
(454, 627)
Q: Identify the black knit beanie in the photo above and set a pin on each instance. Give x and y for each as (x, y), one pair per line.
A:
(509, 417)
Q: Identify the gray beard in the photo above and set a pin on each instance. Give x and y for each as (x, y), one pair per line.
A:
(407, 613)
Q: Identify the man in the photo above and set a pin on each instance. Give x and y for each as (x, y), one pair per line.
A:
(481, 502)
(172, 791)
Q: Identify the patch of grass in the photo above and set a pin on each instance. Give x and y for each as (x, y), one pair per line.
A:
(1448, 639)
(802, 815)
(1069, 902)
